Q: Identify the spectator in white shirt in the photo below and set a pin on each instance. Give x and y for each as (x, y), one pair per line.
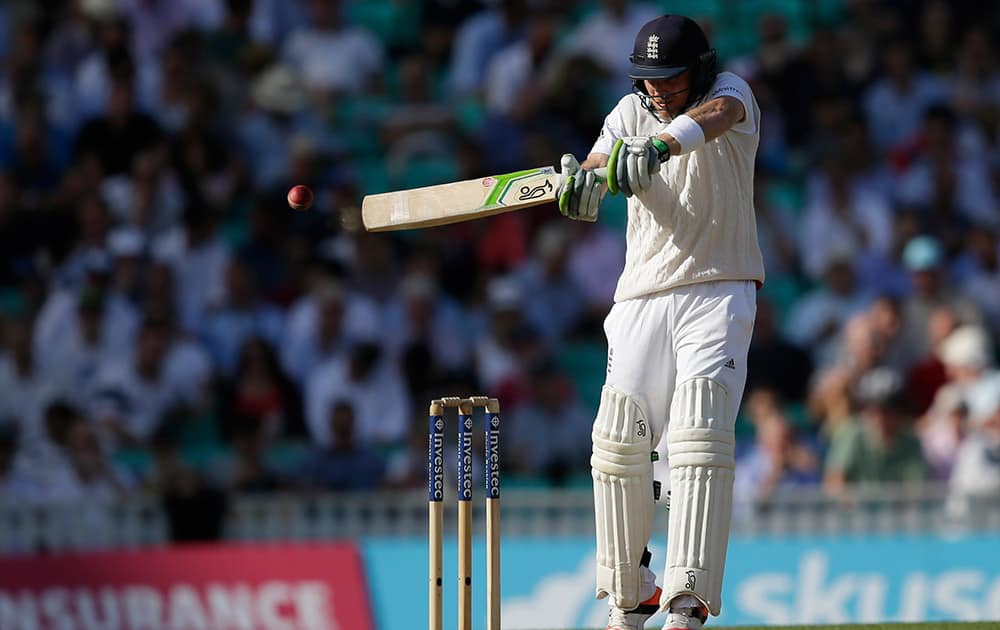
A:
(840, 214)
(895, 103)
(368, 382)
(512, 85)
(819, 316)
(15, 487)
(557, 303)
(885, 273)
(976, 476)
(479, 39)
(69, 465)
(133, 394)
(967, 356)
(607, 36)
(778, 459)
(127, 247)
(154, 22)
(85, 479)
(333, 57)
(96, 73)
(58, 321)
(268, 131)
(322, 326)
(94, 477)
(424, 316)
(198, 258)
(25, 388)
(418, 116)
(84, 345)
(496, 352)
(550, 428)
(190, 372)
(94, 224)
(949, 180)
(242, 315)
(149, 197)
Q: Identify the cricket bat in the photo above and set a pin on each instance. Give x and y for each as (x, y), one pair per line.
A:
(460, 201)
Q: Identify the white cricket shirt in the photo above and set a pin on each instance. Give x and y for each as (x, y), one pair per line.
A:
(696, 222)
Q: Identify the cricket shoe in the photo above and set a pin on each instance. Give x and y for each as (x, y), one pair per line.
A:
(688, 618)
(634, 619)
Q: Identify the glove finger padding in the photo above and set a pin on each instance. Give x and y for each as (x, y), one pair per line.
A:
(643, 163)
(633, 172)
(585, 191)
(621, 172)
(589, 210)
(579, 191)
(642, 174)
(586, 196)
(564, 193)
(653, 162)
(565, 196)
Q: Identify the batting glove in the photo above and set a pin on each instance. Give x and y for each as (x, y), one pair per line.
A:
(580, 191)
(633, 163)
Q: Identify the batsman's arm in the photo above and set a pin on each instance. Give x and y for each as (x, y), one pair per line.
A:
(594, 161)
(715, 118)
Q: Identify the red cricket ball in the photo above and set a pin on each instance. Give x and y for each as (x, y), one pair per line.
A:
(300, 197)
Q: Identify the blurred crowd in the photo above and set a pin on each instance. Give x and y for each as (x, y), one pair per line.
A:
(170, 326)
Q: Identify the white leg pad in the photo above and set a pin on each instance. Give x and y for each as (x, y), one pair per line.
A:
(701, 444)
(623, 495)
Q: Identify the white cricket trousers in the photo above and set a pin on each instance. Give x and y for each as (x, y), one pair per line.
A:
(659, 341)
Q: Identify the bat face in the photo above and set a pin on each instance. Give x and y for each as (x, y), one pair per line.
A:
(459, 201)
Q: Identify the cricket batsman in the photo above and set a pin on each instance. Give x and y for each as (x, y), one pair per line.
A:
(681, 148)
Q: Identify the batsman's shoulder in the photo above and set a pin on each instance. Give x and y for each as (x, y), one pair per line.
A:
(621, 119)
(629, 107)
(726, 76)
(629, 100)
(734, 87)
(729, 84)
